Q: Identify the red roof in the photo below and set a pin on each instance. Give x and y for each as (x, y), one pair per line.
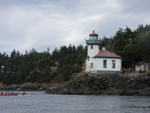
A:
(93, 34)
(107, 54)
(140, 62)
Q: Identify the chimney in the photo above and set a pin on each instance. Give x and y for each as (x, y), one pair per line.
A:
(103, 48)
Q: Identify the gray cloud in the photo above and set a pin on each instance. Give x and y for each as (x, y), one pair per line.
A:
(27, 24)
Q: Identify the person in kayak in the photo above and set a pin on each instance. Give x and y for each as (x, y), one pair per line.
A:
(2, 92)
(23, 93)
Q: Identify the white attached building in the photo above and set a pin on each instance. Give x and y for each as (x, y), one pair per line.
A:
(101, 61)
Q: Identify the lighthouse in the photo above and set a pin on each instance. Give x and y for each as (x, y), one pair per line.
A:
(93, 47)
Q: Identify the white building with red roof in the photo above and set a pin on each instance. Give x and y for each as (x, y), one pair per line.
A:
(101, 61)
(141, 66)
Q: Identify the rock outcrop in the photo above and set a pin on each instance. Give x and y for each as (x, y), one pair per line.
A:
(113, 84)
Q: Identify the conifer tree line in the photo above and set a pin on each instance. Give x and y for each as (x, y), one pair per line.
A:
(33, 66)
(41, 67)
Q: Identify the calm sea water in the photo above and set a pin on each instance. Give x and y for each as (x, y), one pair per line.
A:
(39, 102)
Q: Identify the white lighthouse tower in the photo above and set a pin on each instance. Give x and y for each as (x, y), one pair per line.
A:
(93, 48)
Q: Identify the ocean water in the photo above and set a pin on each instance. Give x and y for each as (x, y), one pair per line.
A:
(39, 102)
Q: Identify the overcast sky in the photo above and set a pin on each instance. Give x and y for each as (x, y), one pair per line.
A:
(39, 24)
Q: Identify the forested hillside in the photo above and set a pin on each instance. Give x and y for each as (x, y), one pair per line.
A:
(132, 45)
(41, 67)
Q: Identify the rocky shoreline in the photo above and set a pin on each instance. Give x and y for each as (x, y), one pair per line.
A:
(90, 84)
(27, 86)
(104, 84)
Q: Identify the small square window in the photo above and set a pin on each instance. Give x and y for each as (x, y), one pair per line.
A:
(91, 65)
(91, 46)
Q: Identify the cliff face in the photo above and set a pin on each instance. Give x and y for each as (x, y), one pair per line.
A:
(104, 84)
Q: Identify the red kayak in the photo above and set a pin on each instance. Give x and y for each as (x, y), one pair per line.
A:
(10, 93)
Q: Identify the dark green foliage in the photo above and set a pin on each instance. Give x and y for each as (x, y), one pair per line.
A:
(70, 60)
(36, 67)
(144, 46)
(76, 69)
(30, 67)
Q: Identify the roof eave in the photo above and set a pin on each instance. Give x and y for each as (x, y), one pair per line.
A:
(107, 57)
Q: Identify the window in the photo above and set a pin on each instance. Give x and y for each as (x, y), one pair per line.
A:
(113, 64)
(91, 65)
(91, 46)
(104, 63)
